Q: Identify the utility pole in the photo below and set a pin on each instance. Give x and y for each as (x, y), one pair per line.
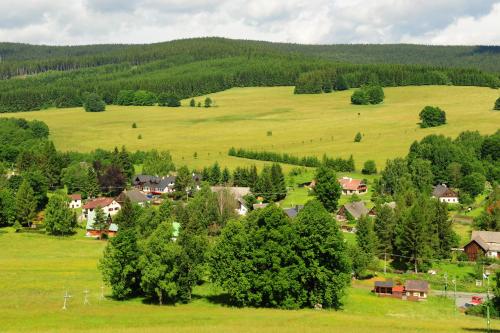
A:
(102, 293)
(66, 297)
(385, 262)
(488, 319)
(446, 285)
(455, 294)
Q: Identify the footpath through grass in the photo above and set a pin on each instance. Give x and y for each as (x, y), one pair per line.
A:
(36, 270)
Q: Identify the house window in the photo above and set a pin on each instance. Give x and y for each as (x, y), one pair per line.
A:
(422, 295)
(416, 294)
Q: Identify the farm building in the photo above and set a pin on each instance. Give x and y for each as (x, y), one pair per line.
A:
(483, 243)
(135, 196)
(416, 290)
(388, 289)
(413, 290)
(109, 205)
(92, 232)
(352, 186)
(352, 210)
(238, 193)
(75, 201)
(445, 194)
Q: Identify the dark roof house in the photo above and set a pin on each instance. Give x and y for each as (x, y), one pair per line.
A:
(135, 196)
(355, 209)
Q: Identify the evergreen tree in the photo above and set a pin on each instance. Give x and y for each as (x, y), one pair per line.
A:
(119, 264)
(168, 100)
(369, 168)
(446, 237)
(340, 83)
(25, 204)
(158, 163)
(384, 226)
(327, 189)
(51, 164)
(7, 207)
(358, 137)
(226, 176)
(215, 174)
(278, 180)
(192, 103)
(59, 218)
(100, 221)
(126, 163)
(183, 183)
(91, 187)
(421, 175)
(320, 245)
(365, 236)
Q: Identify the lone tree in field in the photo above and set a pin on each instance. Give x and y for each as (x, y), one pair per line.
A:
(497, 104)
(208, 102)
(327, 189)
(432, 116)
(358, 137)
(192, 103)
(59, 219)
(93, 103)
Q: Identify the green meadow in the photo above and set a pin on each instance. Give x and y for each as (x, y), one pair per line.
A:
(300, 124)
(36, 271)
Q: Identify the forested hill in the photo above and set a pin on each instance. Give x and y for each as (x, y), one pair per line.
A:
(22, 55)
(35, 77)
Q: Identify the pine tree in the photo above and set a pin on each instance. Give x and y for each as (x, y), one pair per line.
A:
(226, 176)
(91, 187)
(215, 174)
(446, 237)
(192, 103)
(384, 225)
(365, 236)
(125, 163)
(25, 204)
(278, 180)
(100, 221)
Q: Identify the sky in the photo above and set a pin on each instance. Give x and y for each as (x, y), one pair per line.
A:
(72, 22)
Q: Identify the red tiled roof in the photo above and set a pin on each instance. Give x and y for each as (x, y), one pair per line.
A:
(101, 202)
(349, 183)
(398, 288)
(75, 196)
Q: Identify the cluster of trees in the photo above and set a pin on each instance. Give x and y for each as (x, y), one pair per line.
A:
(137, 98)
(338, 164)
(432, 116)
(369, 94)
(214, 175)
(93, 103)
(268, 260)
(199, 67)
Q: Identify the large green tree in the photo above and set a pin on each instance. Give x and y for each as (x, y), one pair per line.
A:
(327, 189)
(59, 218)
(25, 204)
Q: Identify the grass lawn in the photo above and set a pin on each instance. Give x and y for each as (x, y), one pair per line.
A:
(37, 269)
(300, 124)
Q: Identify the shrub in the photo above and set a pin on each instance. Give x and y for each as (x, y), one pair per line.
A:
(93, 103)
(497, 104)
(168, 100)
(125, 97)
(143, 98)
(208, 102)
(192, 103)
(358, 137)
(134, 125)
(432, 116)
(269, 133)
(139, 137)
(360, 97)
(369, 167)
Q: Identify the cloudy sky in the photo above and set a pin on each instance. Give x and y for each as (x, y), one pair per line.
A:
(301, 21)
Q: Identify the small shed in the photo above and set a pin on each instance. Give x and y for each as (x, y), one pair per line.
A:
(416, 290)
(388, 289)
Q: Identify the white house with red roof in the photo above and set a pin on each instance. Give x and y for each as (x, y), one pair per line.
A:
(352, 186)
(75, 201)
(108, 205)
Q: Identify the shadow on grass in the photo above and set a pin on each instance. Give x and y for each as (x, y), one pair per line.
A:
(219, 299)
(492, 330)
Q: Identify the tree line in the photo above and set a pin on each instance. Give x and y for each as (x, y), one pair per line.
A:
(338, 164)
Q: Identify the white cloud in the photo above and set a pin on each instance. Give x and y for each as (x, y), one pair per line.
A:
(301, 21)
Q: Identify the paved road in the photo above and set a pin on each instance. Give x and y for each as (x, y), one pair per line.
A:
(462, 297)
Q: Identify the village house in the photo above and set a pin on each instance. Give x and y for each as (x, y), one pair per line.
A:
(108, 205)
(238, 193)
(135, 196)
(352, 186)
(110, 231)
(485, 243)
(352, 210)
(153, 184)
(416, 290)
(445, 194)
(259, 205)
(75, 201)
(413, 290)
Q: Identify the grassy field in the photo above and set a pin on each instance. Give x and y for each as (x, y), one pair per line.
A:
(37, 269)
(300, 124)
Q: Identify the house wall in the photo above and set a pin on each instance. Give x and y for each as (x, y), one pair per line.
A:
(449, 199)
(75, 204)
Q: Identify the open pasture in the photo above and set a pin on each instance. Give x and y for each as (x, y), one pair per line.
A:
(300, 124)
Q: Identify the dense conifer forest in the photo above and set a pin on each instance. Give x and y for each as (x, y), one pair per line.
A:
(37, 77)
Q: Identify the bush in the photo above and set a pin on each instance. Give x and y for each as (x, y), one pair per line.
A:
(432, 116)
(192, 103)
(144, 98)
(168, 100)
(358, 137)
(497, 104)
(93, 103)
(360, 97)
(369, 168)
(208, 102)
(134, 125)
(125, 97)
